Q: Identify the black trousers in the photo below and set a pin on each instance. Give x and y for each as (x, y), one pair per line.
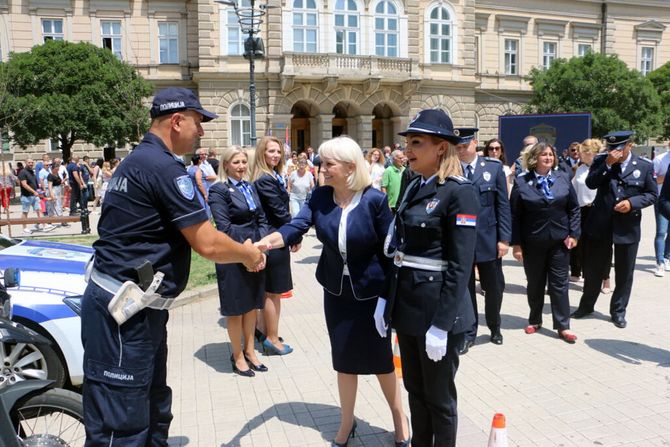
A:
(546, 263)
(599, 252)
(492, 280)
(577, 253)
(432, 391)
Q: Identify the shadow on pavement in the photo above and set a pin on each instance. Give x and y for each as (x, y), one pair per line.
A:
(216, 355)
(178, 441)
(308, 260)
(630, 352)
(304, 414)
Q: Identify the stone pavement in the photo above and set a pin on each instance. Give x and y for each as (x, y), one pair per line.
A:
(611, 388)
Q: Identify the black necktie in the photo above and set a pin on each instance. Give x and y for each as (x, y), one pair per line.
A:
(468, 173)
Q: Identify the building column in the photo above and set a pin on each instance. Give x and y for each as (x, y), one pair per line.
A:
(322, 129)
(399, 124)
(364, 127)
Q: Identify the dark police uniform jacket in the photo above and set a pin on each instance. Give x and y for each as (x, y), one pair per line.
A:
(636, 184)
(436, 221)
(494, 220)
(232, 214)
(537, 218)
(664, 197)
(149, 199)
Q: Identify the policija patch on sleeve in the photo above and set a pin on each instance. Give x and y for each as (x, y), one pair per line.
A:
(185, 186)
(466, 220)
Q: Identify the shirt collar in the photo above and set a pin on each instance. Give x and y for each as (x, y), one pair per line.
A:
(428, 180)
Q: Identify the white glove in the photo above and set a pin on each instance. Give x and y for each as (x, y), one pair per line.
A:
(379, 317)
(436, 343)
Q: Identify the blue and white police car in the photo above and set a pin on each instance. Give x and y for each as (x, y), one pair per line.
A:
(47, 301)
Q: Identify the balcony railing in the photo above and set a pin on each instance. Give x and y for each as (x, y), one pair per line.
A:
(344, 65)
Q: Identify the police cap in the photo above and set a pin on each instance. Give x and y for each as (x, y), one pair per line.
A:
(466, 134)
(617, 140)
(177, 99)
(432, 122)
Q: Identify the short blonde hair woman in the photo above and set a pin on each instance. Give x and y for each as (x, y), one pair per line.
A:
(351, 271)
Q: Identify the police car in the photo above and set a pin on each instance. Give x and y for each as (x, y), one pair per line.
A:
(47, 301)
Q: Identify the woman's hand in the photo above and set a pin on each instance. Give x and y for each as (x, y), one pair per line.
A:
(517, 252)
(295, 248)
(570, 242)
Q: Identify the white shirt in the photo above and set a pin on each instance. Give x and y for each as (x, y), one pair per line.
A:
(661, 163)
(585, 195)
(624, 164)
(473, 163)
(342, 229)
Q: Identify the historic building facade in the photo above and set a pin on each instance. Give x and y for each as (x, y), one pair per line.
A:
(356, 67)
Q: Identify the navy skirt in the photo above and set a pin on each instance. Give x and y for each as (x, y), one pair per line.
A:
(240, 291)
(278, 271)
(355, 344)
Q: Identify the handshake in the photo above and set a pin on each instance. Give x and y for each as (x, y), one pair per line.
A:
(259, 248)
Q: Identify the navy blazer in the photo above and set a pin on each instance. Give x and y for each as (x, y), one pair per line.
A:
(536, 218)
(275, 200)
(494, 220)
(664, 197)
(636, 184)
(367, 225)
(232, 214)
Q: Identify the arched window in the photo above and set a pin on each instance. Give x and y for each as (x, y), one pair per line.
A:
(440, 35)
(305, 26)
(240, 125)
(386, 29)
(347, 25)
(235, 37)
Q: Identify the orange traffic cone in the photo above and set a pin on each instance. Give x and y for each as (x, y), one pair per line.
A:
(288, 294)
(396, 357)
(498, 436)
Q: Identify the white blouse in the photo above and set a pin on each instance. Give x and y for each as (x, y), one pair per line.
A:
(585, 195)
(342, 229)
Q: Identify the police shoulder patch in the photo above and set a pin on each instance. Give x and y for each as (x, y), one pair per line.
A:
(185, 186)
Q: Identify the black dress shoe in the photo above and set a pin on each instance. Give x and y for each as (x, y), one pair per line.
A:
(467, 344)
(580, 313)
(260, 367)
(496, 337)
(619, 322)
(236, 370)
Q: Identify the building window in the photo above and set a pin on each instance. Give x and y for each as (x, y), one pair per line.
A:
(111, 36)
(168, 38)
(548, 54)
(235, 38)
(346, 27)
(52, 29)
(647, 60)
(240, 125)
(386, 29)
(305, 26)
(440, 32)
(511, 56)
(583, 49)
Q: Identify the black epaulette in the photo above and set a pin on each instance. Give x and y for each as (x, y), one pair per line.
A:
(492, 159)
(459, 179)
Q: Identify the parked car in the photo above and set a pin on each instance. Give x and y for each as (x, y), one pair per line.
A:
(48, 302)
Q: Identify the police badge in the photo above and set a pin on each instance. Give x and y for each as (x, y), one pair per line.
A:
(185, 186)
(636, 173)
(430, 207)
(486, 175)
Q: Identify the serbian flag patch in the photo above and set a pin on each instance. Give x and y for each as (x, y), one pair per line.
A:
(466, 220)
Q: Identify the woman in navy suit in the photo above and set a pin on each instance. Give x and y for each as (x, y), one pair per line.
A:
(545, 226)
(271, 187)
(237, 212)
(351, 220)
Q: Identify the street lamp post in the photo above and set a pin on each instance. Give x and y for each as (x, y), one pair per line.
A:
(250, 19)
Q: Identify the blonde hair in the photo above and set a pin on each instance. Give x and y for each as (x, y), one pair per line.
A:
(535, 152)
(591, 145)
(260, 165)
(382, 159)
(228, 155)
(449, 162)
(346, 150)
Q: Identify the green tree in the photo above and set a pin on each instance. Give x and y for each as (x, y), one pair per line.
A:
(661, 80)
(617, 97)
(74, 92)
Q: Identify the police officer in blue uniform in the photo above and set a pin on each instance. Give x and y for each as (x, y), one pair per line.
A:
(664, 197)
(426, 297)
(151, 213)
(625, 184)
(494, 231)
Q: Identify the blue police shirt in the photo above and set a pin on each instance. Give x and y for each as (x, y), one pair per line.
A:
(148, 201)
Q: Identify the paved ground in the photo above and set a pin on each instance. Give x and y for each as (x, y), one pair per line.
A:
(611, 388)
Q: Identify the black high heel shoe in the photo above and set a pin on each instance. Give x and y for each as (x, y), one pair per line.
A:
(407, 441)
(352, 434)
(236, 370)
(260, 367)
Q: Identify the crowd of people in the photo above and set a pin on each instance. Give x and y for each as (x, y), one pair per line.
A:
(405, 234)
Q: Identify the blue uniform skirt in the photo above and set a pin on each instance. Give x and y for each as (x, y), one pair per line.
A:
(355, 344)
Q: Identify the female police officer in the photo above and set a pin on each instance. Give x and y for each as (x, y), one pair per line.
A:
(428, 298)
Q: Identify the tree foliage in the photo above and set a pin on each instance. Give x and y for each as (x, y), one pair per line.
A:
(661, 80)
(618, 98)
(73, 91)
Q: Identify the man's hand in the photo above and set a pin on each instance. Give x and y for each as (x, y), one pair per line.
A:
(517, 252)
(295, 248)
(503, 248)
(436, 343)
(260, 266)
(378, 316)
(570, 242)
(623, 207)
(614, 157)
(255, 256)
